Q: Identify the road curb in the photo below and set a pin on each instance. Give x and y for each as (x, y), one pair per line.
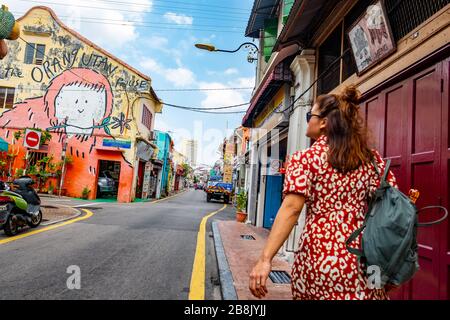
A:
(79, 213)
(226, 278)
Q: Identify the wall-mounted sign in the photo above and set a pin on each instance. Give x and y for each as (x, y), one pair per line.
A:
(227, 173)
(146, 182)
(274, 167)
(32, 139)
(123, 144)
(371, 37)
(144, 151)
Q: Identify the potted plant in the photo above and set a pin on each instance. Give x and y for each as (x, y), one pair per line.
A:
(241, 206)
(51, 188)
(85, 193)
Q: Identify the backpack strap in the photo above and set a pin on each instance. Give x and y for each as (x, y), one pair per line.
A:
(386, 170)
(352, 238)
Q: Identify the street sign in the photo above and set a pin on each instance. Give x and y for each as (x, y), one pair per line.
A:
(123, 144)
(227, 173)
(32, 139)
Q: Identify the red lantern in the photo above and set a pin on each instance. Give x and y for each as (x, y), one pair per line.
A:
(3, 49)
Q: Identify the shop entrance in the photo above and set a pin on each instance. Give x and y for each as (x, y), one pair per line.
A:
(108, 179)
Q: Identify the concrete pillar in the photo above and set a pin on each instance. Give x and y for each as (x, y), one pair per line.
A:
(303, 68)
(252, 183)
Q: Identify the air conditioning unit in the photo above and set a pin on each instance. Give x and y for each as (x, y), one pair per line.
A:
(39, 61)
(152, 136)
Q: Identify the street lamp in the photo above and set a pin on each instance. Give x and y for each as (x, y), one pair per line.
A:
(253, 49)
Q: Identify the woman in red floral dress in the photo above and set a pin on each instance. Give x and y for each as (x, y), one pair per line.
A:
(333, 177)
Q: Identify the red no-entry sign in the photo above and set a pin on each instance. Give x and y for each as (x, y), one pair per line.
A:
(32, 139)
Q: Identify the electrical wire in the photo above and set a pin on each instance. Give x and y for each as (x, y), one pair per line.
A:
(122, 22)
(243, 10)
(156, 90)
(193, 109)
(315, 81)
(115, 9)
(179, 2)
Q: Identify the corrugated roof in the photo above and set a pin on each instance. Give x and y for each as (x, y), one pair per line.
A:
(262, 10)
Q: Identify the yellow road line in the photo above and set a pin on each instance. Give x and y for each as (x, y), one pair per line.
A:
(197, 288)
(28, 234)
(156, 201)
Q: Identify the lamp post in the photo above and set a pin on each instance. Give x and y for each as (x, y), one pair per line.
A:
(253, 49)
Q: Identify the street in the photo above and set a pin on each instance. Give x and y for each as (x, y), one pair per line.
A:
(124, 251)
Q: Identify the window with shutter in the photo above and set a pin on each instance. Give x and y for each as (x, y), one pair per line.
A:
(29, 53)
(34, 53)
(7, 97)
(40, 52)
(270, 37)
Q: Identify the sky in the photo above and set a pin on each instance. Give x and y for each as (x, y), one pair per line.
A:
(157, 37)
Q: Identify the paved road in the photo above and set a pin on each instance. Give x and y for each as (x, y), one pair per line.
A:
(125, 251)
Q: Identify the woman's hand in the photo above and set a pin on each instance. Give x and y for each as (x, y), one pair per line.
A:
(258, 278)
(287, 217)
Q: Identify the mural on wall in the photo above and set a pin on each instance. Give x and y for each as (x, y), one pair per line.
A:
(78, 92)
(77, 103)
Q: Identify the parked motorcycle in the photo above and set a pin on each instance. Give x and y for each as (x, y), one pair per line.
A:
(19, 206)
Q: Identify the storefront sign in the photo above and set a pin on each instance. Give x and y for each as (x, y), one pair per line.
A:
(371, 37)
(228, 173)
(144, 151)
(146, 182)
(123, 144)
(274, 168)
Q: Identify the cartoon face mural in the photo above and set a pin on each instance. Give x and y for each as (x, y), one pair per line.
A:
(79, 101)
(81, 107)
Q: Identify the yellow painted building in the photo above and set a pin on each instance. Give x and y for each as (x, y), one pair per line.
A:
(98, 108)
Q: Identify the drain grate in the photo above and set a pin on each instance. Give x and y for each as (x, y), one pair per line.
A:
(247, 237)
(281, 277)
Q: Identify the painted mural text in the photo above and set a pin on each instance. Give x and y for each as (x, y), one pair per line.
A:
(9, 72)
(54, 66)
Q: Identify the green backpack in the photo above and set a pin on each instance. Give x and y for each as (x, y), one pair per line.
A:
(389, 238)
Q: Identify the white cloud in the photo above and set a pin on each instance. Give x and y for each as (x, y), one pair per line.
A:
(231, 71)
(180, 77)
(151, 65)
(179, 18)
(220, 98)
(108, 25)
(157, 42)
(245, 82)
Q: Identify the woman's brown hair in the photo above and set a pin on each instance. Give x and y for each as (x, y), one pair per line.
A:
(345, 130)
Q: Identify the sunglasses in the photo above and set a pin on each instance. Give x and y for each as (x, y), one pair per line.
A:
(309, 115)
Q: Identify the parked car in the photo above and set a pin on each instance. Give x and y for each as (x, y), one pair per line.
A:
(199, 186)
(219, 190)
(106, 184)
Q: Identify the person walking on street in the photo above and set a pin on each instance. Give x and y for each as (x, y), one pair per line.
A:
(334, 177)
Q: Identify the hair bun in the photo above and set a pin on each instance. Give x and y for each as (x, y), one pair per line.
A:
(350, 94)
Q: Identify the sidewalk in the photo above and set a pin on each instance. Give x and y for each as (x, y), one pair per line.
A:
(53, 213)
(237, 256)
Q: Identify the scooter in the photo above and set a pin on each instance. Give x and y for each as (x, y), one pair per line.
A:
(19, 207)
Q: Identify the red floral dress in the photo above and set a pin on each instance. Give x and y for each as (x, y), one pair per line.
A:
(323, 268)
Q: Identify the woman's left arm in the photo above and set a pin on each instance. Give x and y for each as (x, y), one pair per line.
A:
(285, 221)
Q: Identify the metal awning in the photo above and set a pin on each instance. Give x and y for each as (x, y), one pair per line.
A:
(262, 10)
(280, 75)
(303, 14)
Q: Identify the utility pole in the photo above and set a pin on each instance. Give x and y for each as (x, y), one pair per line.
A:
(63, 169)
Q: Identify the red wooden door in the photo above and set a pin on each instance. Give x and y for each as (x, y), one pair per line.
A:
(410, 123)
(424, 166)
(445, 183)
